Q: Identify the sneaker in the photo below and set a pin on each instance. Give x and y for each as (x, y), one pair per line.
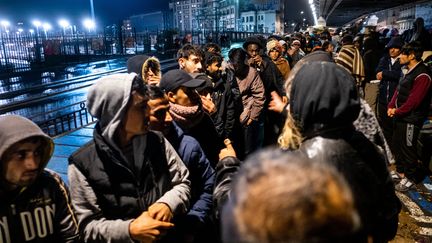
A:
(404, 185)
(396, 177)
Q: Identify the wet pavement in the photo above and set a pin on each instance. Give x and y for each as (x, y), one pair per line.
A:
(65, 145)
(33, 95)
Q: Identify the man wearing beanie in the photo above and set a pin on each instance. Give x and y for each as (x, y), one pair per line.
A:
(274, 51)
(187, 111)
(388, 73)
(35, 204)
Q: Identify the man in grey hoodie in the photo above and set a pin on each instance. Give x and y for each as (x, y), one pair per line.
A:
(34, 202)
(128, 182)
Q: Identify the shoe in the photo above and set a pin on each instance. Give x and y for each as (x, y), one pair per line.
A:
(396, 177)
(404, 185)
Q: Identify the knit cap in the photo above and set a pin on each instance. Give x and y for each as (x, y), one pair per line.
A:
(273, 44)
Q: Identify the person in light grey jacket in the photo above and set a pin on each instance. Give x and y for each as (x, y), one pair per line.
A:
(128, 183)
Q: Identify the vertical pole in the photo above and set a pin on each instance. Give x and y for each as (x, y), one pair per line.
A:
(92, 11)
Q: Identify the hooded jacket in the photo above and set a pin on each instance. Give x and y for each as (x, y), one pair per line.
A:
(140, 64)
(108, 189)
(325, 103)
(40, 212)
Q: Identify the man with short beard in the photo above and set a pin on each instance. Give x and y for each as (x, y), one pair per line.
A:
(388, 72)
(34, 202)
(128, 183)
(409, 108)
(222, 97)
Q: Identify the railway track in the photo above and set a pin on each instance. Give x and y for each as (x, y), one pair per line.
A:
(57, 88)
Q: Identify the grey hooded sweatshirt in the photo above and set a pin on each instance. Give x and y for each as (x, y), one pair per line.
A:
(41, 211)
(106, 192)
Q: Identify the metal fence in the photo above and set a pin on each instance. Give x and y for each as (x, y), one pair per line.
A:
(76, 118)
(24, 51)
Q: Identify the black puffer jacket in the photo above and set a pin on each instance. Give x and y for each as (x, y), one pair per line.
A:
(224, 118)
(365, 170)
(324, 101)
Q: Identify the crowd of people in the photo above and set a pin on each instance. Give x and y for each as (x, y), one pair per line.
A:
(179, 156)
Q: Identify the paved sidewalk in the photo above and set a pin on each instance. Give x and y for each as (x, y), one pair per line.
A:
(65, 145)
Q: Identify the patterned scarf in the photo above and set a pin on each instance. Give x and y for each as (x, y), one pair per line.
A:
(186, 116)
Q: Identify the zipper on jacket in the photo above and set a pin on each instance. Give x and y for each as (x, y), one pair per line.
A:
(388, 85)
(13, 209)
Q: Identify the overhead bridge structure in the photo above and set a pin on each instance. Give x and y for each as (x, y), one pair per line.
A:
(340, 12)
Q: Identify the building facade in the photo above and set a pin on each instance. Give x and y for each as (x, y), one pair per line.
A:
(226, 15)
(263, 21)
(188, 15)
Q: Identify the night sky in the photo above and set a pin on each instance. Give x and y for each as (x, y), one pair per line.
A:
(106, 11)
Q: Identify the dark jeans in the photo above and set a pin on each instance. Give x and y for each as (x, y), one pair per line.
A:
(386, 124)
(253, 137)
(405, 139)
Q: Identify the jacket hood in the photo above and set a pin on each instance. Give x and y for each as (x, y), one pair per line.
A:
(135, 64)
(15, 128)
(323, 95)
(151, 62)
(107, 100)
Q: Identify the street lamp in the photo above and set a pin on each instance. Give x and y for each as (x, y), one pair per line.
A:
(92, 11)
(5, 24)
(46, 27)
(64, 24)
(89, 24)
(301, 12)
(37, 24)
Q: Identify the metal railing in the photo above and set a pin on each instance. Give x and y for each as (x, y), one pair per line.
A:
(22, 51)
(62, 121)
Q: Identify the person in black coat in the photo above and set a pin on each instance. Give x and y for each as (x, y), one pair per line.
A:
(324, 103)
(371, 57)
(388, 72)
